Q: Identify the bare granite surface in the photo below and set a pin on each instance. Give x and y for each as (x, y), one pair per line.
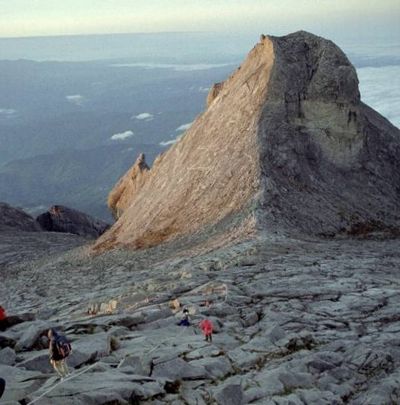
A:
(302, 321)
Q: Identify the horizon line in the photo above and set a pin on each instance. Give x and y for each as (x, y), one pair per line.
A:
(107, 34)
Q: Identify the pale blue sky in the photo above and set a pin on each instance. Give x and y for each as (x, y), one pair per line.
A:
(55, 17)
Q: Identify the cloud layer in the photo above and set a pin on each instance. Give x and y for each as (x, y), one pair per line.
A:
(175, 67)
(144, 116)
(122, 135)
(184, 127)
(7, 113)
(76, 99)
(171, 141)
(380, 89)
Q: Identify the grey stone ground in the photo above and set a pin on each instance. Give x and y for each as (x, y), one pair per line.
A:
(297, 321)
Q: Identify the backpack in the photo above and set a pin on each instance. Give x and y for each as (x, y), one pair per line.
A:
(63, 346)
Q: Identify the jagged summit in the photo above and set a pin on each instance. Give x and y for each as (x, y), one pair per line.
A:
(127, 186)
(284, 144)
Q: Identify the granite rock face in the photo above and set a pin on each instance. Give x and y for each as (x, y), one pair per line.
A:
(120, 197)
(282, 145)
(297, 322)
(319, 144)
(62, 219)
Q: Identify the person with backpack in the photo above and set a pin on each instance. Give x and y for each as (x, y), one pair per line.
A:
(59, 350)
(185, 321)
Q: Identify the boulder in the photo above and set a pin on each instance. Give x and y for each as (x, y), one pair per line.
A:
(63, 219)
(216, 367)
(179, 369)
(12, 320)
(7, 341)
(31, 335)
(100, 388)
(7, 356)
(16, 219)
(19, 382)
(135, 365)
(230, 394)
(38, 362)
(91, 347)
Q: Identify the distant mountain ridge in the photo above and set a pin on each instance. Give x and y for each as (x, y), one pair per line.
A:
(56, 219)
(78, 179)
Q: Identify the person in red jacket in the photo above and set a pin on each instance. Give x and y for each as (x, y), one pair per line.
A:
(3, 319)
(2, 313)
(207, 329)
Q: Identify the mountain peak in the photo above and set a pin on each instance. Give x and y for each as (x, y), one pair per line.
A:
(282, 146)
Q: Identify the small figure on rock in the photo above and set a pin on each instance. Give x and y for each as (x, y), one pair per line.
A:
(185, 321)
(207, 329)
(59, 350)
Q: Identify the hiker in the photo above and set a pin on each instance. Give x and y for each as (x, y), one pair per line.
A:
(2, 386)
(185, 321)
(3, 319)
(3, 314)
(207, 329)
(59, 350)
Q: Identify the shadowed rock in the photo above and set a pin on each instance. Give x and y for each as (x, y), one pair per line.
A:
(63, 219)
(15, 219)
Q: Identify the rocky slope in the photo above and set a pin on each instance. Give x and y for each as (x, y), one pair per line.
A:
(305, 322)
(283, 145)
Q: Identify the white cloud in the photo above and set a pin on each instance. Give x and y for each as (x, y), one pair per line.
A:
(204, 89)
(184, 127)
(7, 111)
(144, 116)
(379, 87)
(171, 141)
(76, 99)
(122, 135)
